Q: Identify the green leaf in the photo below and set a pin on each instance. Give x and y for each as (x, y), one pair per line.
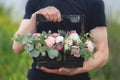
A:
(19, 39)
(29, 35)
(44, 48)
(35, 37)
(35, 41)
(86, 57)
(59, 58)
(34, 53)
(29, 47)
(83, 52)
(62, 33)
(52, 53)
(82, 45)
(43, 53)
(86, 53)
(42, 39)
(24, 40)
(84, 37)
(55, 52)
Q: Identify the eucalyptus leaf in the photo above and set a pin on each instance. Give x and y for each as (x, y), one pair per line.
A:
(35, 41)
(82, 45)
(52, 53)
(35, 37)
(55, 52)
(34, 53)
(29, 47)
(24, 40)
(29, 35)
(59, 58)
(42, 39)
(44, 48)
(19, 39)
(83, 51)
(43, 53)
(87, 56)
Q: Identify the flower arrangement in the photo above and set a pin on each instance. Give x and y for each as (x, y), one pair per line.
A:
(54, 45)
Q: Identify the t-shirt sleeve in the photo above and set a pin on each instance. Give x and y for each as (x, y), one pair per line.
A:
(29, 9)
(97, 14)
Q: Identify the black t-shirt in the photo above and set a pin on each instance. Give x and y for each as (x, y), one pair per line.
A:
(94, 16)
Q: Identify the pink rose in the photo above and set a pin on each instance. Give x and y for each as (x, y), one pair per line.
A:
(37, 46)
(75, 51)
(50, 41)
(72, 31)
(54, 35)
(70, 42)
(58, 46)
(90, 45)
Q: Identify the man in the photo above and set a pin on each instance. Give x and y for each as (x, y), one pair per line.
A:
(52, 10)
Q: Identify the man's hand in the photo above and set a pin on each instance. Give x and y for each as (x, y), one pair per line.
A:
(61, 71)
(50, 13)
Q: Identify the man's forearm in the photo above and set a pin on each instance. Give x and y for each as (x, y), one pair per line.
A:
(99, 60)
(27, 26)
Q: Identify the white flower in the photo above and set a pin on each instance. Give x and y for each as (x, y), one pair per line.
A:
(74, 36)
(68, 41)
(59, 39)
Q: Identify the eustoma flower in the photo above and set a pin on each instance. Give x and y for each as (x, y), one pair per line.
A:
(73, 35)
(58, 46)
(54, 35)
(37, 46)
(90, 45)
(54, 43)
(50, 41)
(69, 42)
(75, 51)
(59, 39)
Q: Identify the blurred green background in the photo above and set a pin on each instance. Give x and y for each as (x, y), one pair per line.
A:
(15, 67)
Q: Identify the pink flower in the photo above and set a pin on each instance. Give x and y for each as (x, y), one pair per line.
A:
(50, 41)
(75, 51)
(54, 35)
(58, 46)
(36, 34)
(90, 45)
(72, 31)
(70, 42)
(37, 46)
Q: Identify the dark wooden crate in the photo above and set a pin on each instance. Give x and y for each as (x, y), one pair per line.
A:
(67, 61)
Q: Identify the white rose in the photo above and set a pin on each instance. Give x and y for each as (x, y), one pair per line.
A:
(74, 36)
(59, 39)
